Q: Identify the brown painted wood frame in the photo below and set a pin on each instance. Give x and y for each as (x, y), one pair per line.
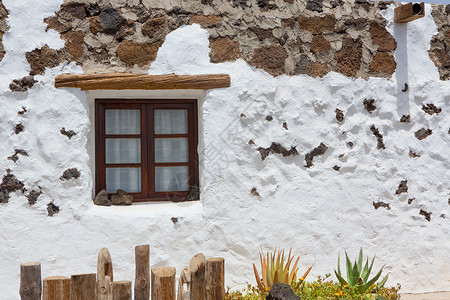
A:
(127, 81)
(147, 136)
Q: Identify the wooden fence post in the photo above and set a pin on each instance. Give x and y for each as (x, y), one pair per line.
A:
(142, 281)
(198, 283)
(122, 290)
(163, 283)
(185, 279)
(215, 279)
(104, 275)
(56, 288)
(30, 281)
(82, 286)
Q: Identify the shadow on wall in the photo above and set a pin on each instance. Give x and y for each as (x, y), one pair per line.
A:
(401, 73)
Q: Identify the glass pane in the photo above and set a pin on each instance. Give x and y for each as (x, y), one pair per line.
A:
(171, 121)
(123, 151)
(171, 150)
(123, 121)
(127, 179)
(171, 179)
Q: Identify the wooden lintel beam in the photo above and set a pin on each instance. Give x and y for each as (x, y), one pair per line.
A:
(409, 12)
(126, 81)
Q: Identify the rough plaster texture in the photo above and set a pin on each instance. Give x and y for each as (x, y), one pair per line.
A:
(3, 27)
(440, 43)
(279, 37)
(246, 202)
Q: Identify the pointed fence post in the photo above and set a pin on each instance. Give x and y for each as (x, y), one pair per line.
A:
(142, 281)
(198, 282)
(104, 275)
(215, 279)
(82, 286)
(163, 283)
(122, 290)
(56, 288)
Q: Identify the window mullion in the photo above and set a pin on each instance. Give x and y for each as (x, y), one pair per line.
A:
(99, 151)
(195, 129)
(144, 148)
(103, 146)
(151, 150)
(191, 146)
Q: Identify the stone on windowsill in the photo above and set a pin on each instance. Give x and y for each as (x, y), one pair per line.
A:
(102, 199)
(121, 198)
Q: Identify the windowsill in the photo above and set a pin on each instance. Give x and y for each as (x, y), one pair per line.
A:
(148, 209)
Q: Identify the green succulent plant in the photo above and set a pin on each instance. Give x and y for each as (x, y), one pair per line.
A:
(275, 269)
(358, 276)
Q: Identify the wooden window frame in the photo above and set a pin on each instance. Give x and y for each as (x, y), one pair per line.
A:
(147, 136)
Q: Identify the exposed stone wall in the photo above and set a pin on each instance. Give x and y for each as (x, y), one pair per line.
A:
(281, 37)
(3, 27)
(440, 44)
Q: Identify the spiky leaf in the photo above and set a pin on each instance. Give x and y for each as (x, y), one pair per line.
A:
(307, 272)
(264, 268)
(339, 265)
(354, 275)
(373, 280)
(340, 278)
(293, 274)
(360, 259)
(370, 270)
(382, 282)
(365, 271)
(258, 279)
(349, 270)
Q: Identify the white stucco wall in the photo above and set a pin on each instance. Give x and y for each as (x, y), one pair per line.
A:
(318, 211)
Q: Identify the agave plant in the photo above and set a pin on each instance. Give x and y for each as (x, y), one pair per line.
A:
(275, 268)
(358, 276)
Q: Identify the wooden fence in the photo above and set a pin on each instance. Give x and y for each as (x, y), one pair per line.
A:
(202, 279)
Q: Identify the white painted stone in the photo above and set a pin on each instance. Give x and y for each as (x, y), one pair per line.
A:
(317, 211)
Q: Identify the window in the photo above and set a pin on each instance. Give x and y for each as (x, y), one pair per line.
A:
(147, 148)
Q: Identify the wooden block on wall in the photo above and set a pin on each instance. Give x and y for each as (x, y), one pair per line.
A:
(409, 12)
